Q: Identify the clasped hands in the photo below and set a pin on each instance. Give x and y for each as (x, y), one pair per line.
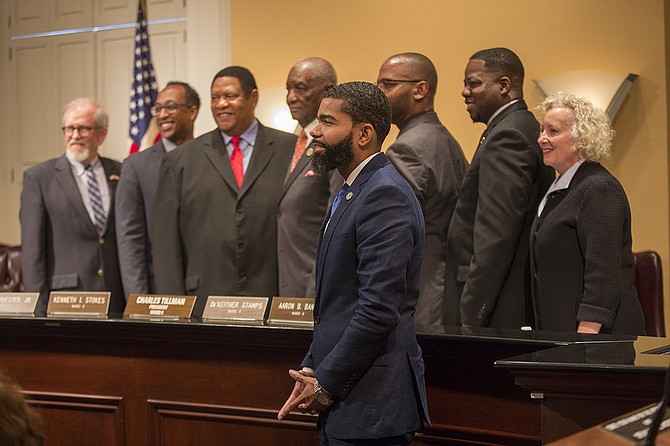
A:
(302, 396)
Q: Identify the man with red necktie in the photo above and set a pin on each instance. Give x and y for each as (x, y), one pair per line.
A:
(215, 216)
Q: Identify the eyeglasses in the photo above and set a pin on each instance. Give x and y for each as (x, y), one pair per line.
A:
(388, 83)
(82, 129)
(170, 108)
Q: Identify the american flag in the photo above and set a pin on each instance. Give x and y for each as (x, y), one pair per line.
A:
(144, 89)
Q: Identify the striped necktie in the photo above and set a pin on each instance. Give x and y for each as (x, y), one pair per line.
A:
(95, 198)
(299, 149)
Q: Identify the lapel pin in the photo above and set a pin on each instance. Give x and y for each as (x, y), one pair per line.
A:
(349, 195)
(309, 152)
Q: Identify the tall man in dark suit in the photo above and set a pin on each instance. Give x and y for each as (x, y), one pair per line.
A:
(431, 161)
(215, 216)
(175, 111)
(67, 213)
(305, 196)
(364, 372)
(488, 282)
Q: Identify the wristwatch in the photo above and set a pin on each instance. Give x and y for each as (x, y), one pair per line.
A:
(321, 395)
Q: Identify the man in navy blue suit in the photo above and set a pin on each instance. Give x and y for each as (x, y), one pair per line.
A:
(364, 373)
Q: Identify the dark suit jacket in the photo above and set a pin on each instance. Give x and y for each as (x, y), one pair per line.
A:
(61, 247)
(488, 240)
(364, 349)
(581, 251)
(134, 205)
(209, 236)
(302, 207)
(433, 163)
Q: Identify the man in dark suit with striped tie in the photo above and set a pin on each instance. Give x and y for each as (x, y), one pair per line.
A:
(67, 213)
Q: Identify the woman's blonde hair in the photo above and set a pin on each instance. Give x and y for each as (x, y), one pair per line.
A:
(591, 128)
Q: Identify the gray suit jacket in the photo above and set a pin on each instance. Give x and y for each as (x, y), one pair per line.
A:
(302, 207)
(61, 247)
(433, 163)
(210, 237)
(134, 205)
(488, 241)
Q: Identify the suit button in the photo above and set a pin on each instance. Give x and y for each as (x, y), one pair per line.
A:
(101, 241)
(100, 272)
(317, 319)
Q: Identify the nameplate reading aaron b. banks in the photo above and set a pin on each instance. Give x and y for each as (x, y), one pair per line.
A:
(18, 303)
(292, 311)
(159, 306)
(78, 303)
(235, 310)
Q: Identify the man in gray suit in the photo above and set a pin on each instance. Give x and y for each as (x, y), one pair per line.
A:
(67, 213)
(215, 216)
(431, 161)
(175, 111)
(488, 282)
(305, 195)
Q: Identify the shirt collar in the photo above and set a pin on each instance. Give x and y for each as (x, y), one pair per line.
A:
(168, 145)
(500, 110)
(248, 136)
(563, 181)
(80, 168)
(352, 176)
(308, 128)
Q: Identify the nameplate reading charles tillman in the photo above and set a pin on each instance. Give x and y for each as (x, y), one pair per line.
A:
(159, 306)
(78, 303)
(235, 310)
(18, 303)
(292, 311)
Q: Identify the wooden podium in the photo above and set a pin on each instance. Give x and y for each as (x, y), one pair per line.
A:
(627, 430)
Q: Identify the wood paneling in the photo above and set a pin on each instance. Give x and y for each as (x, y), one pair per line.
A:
(176, 424)
(80, 419)
(211, 384)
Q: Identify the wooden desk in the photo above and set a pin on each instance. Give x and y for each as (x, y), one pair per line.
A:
(138, 383)
(583, 384)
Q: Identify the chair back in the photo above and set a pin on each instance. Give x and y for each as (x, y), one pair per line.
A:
(649, 285)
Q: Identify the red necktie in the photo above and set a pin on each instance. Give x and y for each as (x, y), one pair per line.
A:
(299, 149)
(236, 161)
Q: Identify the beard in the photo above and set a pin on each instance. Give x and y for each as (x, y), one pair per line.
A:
(78, 156)
(333, 156)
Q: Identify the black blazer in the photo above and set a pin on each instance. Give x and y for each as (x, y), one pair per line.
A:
(210, 237)
(488, 280)
(581, 257)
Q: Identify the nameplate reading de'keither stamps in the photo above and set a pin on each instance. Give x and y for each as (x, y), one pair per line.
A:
(159, 306)
(78, 303)
(292, 311)
(18, 303)
(235, 309)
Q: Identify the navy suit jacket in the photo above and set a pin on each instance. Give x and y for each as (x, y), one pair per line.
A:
(364, 349)
(134, 208)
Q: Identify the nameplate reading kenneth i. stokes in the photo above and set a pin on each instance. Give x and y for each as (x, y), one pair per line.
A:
(18, 303)
(292, 311)
(235, 310)
(78, 303)
(159, 306)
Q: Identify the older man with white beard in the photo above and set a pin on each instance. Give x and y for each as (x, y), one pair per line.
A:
(67, 213)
